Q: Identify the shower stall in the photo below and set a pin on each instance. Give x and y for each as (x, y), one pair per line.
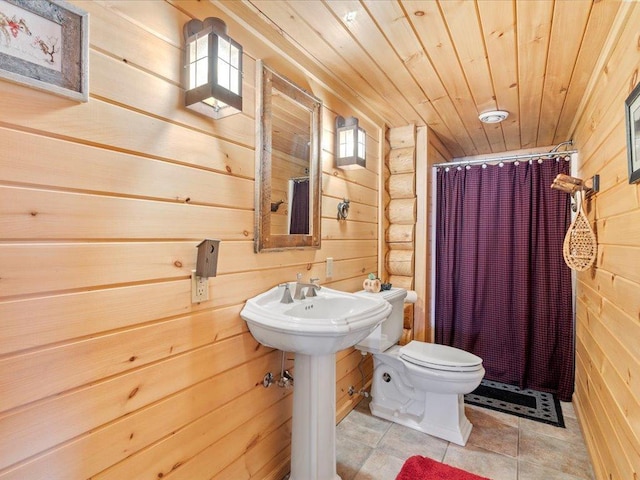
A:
(501, 289)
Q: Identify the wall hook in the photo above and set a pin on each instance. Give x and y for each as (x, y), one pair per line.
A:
(276, 205)
(571, 185)
(343, 209)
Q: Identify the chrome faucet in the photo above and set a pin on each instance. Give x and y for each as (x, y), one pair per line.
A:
(311, 287)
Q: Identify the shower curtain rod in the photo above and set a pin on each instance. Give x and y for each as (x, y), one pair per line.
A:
(509, 158)
(299, 179)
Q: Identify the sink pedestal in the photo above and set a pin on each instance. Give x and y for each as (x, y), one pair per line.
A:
(313, 439)
(314, 329)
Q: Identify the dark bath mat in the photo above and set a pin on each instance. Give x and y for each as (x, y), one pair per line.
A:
(539, 406)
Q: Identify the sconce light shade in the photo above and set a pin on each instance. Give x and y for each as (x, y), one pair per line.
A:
(351, 144)
(213, 69)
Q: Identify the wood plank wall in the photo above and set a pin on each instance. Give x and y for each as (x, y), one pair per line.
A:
(608, 295)
(107, 370)
(429, 145)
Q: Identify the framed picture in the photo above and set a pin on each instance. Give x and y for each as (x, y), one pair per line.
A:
(632, 113)
(44, 45)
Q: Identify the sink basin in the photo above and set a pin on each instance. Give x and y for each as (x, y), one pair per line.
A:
(321, 325)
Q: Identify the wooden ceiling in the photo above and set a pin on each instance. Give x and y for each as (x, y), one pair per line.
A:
(443, 62)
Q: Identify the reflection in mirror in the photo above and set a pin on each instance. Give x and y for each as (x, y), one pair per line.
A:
(290, 141)
(287, 164)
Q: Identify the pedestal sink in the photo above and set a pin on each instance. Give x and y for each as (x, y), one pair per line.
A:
(314, 329)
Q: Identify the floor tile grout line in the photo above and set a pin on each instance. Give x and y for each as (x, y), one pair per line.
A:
(520, 467)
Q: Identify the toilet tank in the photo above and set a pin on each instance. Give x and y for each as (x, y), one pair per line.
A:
(388, 333)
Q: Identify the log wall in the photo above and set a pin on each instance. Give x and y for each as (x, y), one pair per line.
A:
(411, 154)
(401, 213)
(107, 370)
(608, 295)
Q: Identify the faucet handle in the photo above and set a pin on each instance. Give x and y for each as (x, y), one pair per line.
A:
(298, 277)
(311, 290)
(286, 296)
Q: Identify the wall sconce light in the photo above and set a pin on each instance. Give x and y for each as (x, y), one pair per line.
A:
(351, 144)
(213, 69)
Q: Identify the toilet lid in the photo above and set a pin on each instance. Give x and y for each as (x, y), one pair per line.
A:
(440, 357)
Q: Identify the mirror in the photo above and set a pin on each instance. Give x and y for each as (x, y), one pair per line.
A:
(287, 164)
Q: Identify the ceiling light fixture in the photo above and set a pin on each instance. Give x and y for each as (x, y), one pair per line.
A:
(494, 116)
(350, 16)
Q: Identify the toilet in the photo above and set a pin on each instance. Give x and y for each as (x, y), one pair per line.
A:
(419, 385)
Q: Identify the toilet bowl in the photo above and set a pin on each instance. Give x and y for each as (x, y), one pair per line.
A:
(419, 385)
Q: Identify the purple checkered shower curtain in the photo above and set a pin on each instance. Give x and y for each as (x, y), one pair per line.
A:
(503, 291)
(300, 207)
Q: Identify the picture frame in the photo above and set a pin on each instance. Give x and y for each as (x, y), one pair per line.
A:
(44, 44)
(632, 116)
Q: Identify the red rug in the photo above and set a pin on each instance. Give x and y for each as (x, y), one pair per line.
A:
(423, 468)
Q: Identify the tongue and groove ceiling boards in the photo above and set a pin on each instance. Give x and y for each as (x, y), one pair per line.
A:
(442, 63)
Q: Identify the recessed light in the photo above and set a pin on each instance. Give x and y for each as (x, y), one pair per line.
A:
(494, 116)
(350, 16)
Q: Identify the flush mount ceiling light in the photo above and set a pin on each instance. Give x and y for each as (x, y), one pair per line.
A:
(214, 69)
(494, 116)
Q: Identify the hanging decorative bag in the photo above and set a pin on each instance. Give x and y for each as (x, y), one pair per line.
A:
(580, 245)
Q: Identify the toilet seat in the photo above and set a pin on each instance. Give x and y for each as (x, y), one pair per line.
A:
(440, 357)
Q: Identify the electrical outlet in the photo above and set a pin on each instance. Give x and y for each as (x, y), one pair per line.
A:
(199, 288)
(329, 273)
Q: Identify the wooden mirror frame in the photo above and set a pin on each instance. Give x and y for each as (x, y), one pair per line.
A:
(266, 81)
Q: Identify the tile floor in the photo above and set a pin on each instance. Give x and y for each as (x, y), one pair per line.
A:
(501, 447)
